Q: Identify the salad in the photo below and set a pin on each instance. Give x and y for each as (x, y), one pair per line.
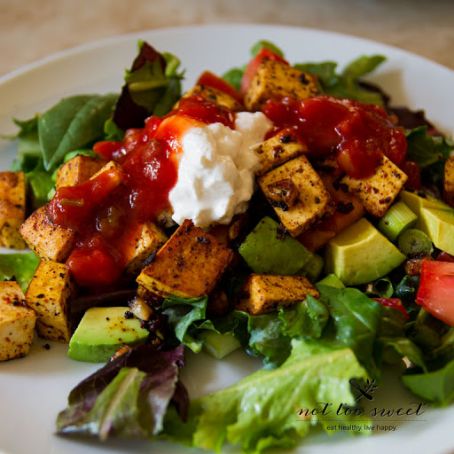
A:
(285, 209)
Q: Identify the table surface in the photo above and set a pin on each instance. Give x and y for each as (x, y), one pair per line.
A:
(32, 29)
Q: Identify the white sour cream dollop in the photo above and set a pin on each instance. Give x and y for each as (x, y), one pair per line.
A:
(216, 170)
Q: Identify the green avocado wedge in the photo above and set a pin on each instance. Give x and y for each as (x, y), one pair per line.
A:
(435, 219)
(267, 249)
(102, 331)
(361, 254)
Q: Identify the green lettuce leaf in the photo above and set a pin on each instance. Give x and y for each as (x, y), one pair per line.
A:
(73, 123)
(18, 267)
(262, 410)
(152, 87)
(426, 149)
(347, 83)
(355, 321)
(233, 76)
(436, 387)
(128, 397)
(307, 319)
(182, 313)
(264, 44)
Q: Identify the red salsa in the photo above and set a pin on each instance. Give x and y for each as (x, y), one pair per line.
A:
(108, 210)
(359, 134)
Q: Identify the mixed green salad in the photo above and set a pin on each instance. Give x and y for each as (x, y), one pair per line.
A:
(383, 286)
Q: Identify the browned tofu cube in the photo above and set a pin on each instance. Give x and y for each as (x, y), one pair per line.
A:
(146, 239)
(48, 295)
(449, 181)
(347, 210)
(216, 96)
(12, 209)
(77, 170)
(378, 192)
(264, 292)
(313, 199)
(277, 150)
(17, 322)
(48, 240)
(275, 79)
(188, 265)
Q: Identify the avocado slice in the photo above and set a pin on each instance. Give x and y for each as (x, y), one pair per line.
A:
(267, 249)
(361, 254)
(102, 331)
(435, 219)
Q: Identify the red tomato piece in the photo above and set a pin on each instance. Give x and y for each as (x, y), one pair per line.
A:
(253, 65)
(413, 172)
(93, 265)
(106, 148)
(211, 80)
(205, 111)
(436, 290)
(394, 303)
(73, 205)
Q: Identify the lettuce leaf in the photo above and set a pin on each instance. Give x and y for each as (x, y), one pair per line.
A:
(18, 267)
(73, 123)
(346, 84)
(426, 149)
(436, 386)
(128, 397)
(152, 87)
(182, 313)
(355, 321)
(261, 410)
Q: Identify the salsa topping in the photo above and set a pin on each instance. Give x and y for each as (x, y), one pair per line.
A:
(107, 210)
(358, 133)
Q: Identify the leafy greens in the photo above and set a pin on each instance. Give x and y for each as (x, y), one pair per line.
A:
(259, 412)
(128, 397)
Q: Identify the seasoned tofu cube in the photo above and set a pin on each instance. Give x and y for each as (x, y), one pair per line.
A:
(12, 209)
(77, 170)
(277, 150)
(216, 96)
(188, 265)
(265, 292)
(145, 241)
(348, 210)
(17, 322)
(275, 79)
(48, 240)
(449, 181)
(48, 295)
(378, 191)
(313, 200)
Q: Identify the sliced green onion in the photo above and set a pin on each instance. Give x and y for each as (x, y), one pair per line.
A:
(219, 345)
(331, 280)
(381, 287)
(397, 219)
(415, 243)
(313, 267)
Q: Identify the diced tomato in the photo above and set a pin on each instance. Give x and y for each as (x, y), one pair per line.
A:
(413, 171)
(72, 205)
(445, 257)
(436, 290)
(211, 80)
(106, 148)
(205, 111)
(251, 69)
(394, 303)
(93, 265)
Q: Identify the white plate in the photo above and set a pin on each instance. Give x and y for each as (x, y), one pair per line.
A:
(34, 389)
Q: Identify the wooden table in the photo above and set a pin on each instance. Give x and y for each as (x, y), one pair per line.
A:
(32, 29)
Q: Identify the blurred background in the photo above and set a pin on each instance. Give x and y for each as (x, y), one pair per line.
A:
(32, 29)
